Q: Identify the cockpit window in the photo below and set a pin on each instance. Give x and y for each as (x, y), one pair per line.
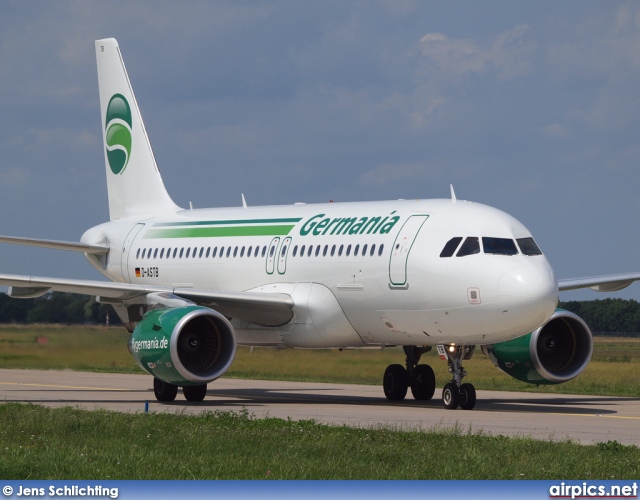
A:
(470, 246)
(451, 246)
(528, 246)
(500, 246)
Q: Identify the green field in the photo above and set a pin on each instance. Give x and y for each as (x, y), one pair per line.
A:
(613, 370)
(43, 443)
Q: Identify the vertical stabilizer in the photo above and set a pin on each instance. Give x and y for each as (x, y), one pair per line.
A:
(133, 180)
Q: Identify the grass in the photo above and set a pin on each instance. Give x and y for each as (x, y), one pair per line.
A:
(35, 444)
(613, 370)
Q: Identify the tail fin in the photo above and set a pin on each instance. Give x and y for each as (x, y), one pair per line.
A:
(133, 180)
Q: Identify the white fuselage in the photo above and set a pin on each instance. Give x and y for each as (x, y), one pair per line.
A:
(360, 273)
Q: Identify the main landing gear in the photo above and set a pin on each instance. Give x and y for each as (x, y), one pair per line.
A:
(397, 379)
(420, 378)
(166, 392)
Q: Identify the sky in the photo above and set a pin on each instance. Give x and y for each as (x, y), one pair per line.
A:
(530, 107)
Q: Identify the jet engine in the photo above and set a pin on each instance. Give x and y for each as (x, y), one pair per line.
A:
(184, 346)
(556, 352)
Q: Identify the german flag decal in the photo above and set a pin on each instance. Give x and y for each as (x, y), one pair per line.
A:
(138, 272)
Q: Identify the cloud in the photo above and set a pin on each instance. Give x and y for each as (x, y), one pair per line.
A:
(12, 175)
(556, 131)
(508, 54)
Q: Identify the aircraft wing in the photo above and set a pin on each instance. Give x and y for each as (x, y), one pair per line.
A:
(609, 283)
(267, 309)
(58, 245)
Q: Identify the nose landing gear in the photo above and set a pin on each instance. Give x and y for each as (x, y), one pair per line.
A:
(455, 393)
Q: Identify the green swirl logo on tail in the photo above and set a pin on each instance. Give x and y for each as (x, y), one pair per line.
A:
(118, 133)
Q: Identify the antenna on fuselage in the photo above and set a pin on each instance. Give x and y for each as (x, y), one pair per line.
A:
(453, 194)
(244, 202)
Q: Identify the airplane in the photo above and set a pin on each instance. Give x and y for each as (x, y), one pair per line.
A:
(191, 285)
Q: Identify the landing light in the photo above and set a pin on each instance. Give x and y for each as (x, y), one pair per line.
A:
(452, 348)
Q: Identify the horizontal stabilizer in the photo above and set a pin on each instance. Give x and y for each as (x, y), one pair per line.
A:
(58, 245)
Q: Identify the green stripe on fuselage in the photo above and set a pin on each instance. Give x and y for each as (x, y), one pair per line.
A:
(228, 222)
(219, 232)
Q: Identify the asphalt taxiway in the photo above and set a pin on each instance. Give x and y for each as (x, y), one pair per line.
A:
(585, 419)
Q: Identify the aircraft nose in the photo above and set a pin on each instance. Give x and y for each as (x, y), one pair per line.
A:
(530, 291)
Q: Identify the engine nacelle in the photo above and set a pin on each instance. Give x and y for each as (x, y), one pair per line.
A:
(184, 346)
(556, 352)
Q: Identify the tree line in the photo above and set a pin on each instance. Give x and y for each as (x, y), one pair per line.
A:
(56, 307)
(602, 316)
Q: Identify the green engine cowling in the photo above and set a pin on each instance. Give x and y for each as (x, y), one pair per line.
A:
(555, 353)
(184, 346)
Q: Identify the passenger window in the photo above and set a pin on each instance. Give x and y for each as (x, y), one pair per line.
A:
(310, 250)
(242, 252)
(273, 249)
(264, 250)
(450, 248)
(181, 251)
(340, 250)
(175, 251)
(206, 256)
(228, 252)
(470, 246)
(162, 253)
(221, 252)
(235, 251)
(348, 250)
(195, 251)
(380, 250)
(318, 250)
(143, 252)
(364, 251)
(324, 252)
(215, 251)
(187, 256)
(138, 253)
(373, 250)
(499, 246)
(528, 246)
(257, 250)
(333, 250)
(302, 251)
(201, 250)
(355, 250)
(284, 251)
(249, 251)
(295, 250)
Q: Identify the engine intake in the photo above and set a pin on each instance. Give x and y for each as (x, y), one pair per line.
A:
(555, 353)
(185, 345)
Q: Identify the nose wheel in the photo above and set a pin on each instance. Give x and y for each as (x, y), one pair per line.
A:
(455, 393)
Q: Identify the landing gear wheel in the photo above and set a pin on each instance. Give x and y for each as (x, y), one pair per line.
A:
(164, 391)
(450, 396)
(194, 392)
(395, 382)
(424, 384)
(467, 396)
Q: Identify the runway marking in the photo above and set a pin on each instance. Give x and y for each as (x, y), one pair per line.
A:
(66, 386)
